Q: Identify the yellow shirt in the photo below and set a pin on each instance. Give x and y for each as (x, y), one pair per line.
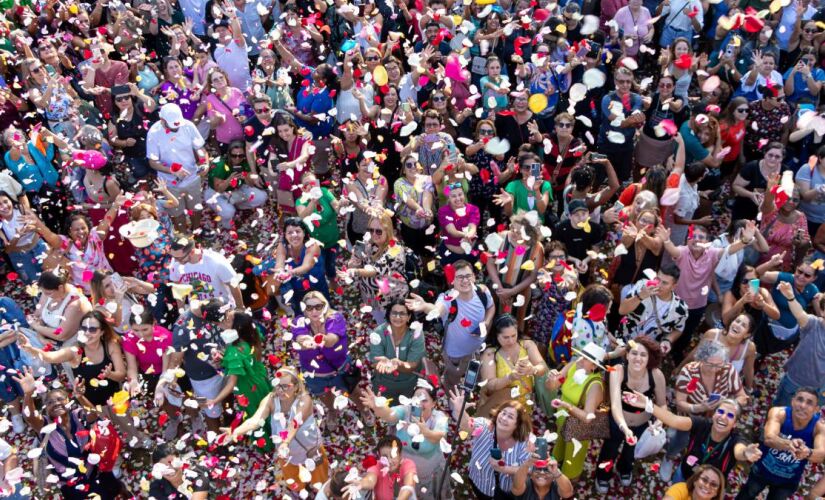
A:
(678, 491)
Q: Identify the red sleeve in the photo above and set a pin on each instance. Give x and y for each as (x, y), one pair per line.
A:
(629, 193)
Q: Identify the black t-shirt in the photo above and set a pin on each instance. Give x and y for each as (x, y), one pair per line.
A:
(745, 208)
(161, 489)
(576, 240)
(196, 338)
(530, 493)
(706, 451)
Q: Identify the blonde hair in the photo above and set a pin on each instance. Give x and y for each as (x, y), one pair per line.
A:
(389, 231)
(314, 294)
(292, 372)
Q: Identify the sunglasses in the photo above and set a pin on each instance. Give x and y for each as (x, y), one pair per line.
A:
(238, 155)
(91, 329)
(376, 231)
(315, 307)
(439, 98)
(410, 165)
(372, 58)
(564, 125)
(36, 68)
(803, 273)
(486, 131)
(725, 413)
(808, 30)
(122, 98)
(455, 185)
(263, 110)
(741, 110)
(666, 85)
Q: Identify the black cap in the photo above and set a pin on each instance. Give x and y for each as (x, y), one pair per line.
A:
(576, 205)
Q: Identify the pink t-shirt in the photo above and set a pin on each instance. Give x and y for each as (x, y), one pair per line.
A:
(385, 487)
(231, 129)
(447, 216)
(694, 281)
(638, 25)
(148, 354)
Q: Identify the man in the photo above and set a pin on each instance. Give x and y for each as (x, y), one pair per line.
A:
(538, 479)
(229, 188)
(176, 151)
(102, 74)
(794, 435)
(652, 308)
(785, 330)
(712, 441)
(170, 478)
(806, 366)
(195, 335)
(697, 262)
(683, 18)
(466, 313)
(578, 233)
(230, 53)
(252, 22)
(209, 273)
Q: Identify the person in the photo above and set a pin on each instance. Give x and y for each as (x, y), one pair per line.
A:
(398, 353)
(465, 329)
(21, 242)
(805, 367)
(459, 222)
(538, 479)
(229, 188)
(785, 330)
(812, 194)
(785, 227)
(794, 435)
(368, 193)
(744, 298)
(529, 193)
(396, 473)
(652, 308)
(208, 273)
(221, 108)
(116, 295)
(175, 482)
(432, 425)
(286, 161)
(508, 430)
(641, 373)
(126, 132)
(682, 22)
(143, 345)
(751, 183)
(175, 149)
(579, 233)
(414, 194)
(624, 107)
(299, 444)
(59, 309)
(580, 397)
(509, 367)
(318, 201)
(707, 483)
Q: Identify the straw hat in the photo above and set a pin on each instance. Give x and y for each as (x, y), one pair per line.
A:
(140, 233)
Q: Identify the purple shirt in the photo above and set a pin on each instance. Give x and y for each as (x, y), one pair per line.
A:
(326, 359)
(694, 282)
(447, 216)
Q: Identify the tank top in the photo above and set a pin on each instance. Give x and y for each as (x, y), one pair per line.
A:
(737, 358)
(98, 394)
(307, 441)
(779, 467)
(649, 392)
(524, 384)
(53, 318)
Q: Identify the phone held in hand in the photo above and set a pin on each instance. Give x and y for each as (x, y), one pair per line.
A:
(471, 377)
(541, 448)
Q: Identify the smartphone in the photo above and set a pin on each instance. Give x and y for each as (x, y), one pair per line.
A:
(714, 397)
(729, 50)
(535, 170)
(597, 156)
(415, 411)
(754, 284)
(50, 70)
(541, 448)
(495, 453)
(471, 377)
(117, 281)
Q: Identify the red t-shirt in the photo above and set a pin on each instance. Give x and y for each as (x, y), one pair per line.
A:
(732, 136)
(385, 487)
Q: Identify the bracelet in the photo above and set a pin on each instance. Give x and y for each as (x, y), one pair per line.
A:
(791, 299)
(649, 406)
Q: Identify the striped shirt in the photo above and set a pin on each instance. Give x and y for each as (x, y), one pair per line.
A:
(727, 383)
(481, 472)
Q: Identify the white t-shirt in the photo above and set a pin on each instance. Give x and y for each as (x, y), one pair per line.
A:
(210, 278)
(685, 207)
(175, 147)
(233, 59)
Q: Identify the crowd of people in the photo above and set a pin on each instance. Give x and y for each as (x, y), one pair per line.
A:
(493, 249)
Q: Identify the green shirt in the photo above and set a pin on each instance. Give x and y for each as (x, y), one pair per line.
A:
(410, 349)
(524, 199)
(326, 229)
(221, 170)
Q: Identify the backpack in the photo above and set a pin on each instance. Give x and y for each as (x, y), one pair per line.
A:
(441, 327)
(559, 349)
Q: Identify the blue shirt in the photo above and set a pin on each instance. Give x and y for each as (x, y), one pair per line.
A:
(627, 132)
(800, 85)
(814, 209)
(310, 102)
(786, 318)
(32, 177)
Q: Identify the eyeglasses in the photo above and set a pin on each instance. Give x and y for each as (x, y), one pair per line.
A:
(708, 482)
(238, 155)
(399, 314)
(464, 277)
(700, 237)
(665, 85)
(91, 329)
(803, 273)
(810, 30)
(263, 110)
(741, 110)
(315, 307)
(725, 413)
(122, 98)
(439, 98)
(432, 125)
(376, 231)
(284, 387)
(564, 125)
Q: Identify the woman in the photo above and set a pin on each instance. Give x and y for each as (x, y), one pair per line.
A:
(66, 443)
(804, 79)
(291, 414)
(459, 222)
(741, 351)
(300, 38)
(762, 78)
(378, 270)
(750, 184)
(347, 149)
(143, 71)
(96, 357)
(321, 339)
(414, 195)
(707, 483)
(508, 431)
(556, 280)
(640, 372)
(432, 425)
(488, 40)
(528, 193)
(644, 250)
(804, 39)
(785, 330)
(369, 189)
(59, 310)
(655, 144)
(179, 89)
(513, 268)
(224, 107)
(811, 184)
(356, 99)
(680, 62)
(126, 130)
(396, 353)
(745, 296)
(289, 156)
(56, 100)
(295, 267)
(703, 144)
(732, 132)
(435, 147)
(566, 151)
(509, 366)
(582, 391)
(727, 63)
(633, 20)
(144, 345)
(456, 173)
(455, 121)
(116, 296)
(494, 87)
(268, 79)
(394, 477)
(785, 229)
(492, 171)
(82, 250)
(20, 241)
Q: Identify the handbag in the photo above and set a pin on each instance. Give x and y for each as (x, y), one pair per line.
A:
(651, 441)
(598, 428)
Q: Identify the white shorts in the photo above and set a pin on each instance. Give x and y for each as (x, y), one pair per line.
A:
(208, 389)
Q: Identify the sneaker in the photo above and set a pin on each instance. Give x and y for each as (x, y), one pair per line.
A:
(602, 486)
(171, 430)
(17, 424)
(666, 470)
(627, 479)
